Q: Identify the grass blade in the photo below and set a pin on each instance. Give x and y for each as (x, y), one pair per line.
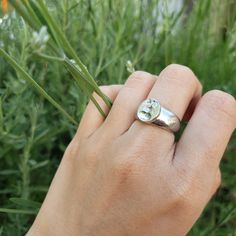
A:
(26, 203)
(20, 8)
(18, 211)
(59, 35)
(39, 89)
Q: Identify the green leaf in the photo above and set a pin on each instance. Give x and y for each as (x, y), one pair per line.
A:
(22, 11)
(227, 216)
(39, 89)
(86, 87)
(1, 116)
(224, 220)
(8, 172)
(63, 42)
(40, 165)
(25, 203)
(18, 211)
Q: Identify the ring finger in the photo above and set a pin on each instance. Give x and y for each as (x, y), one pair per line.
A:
(176, 89)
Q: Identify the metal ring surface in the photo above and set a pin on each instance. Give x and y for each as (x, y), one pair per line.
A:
(151, 111)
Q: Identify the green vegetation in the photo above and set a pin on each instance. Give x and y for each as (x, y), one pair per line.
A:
(105, 34)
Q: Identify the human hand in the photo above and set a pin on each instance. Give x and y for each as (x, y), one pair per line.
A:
(122, 177)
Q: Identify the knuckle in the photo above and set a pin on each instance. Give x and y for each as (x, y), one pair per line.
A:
(179, 195)
(181, 191)
(220, 97)
(104, 87)
(138, 74)
(70, 152)
(127, 171)
(218, 180)
(90, 160)
(182, 74)
(186, 184)
(216, 183)
(221, 102)
(107, 89)
(95, 95)
(90, 156)
(139, 78)
(178, 69)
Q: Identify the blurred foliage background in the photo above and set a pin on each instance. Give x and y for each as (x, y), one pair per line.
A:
(106, 34)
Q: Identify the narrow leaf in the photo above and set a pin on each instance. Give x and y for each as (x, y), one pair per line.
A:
(26, 203)
(39, 89)
(18, 211)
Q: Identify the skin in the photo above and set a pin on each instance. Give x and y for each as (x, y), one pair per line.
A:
(120, 177)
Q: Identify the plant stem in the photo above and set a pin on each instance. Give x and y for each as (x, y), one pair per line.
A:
(41, 91)
(58, 34)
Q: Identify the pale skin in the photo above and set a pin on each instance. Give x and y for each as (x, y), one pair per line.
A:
(120, 177)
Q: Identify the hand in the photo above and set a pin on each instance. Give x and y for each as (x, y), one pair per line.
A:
(123, 177)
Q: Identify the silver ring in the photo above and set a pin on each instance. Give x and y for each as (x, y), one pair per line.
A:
(150, 111)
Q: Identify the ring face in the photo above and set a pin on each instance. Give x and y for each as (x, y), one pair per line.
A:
(149, 110)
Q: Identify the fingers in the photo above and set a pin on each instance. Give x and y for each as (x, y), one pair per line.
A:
(176, 88)
(207, 134)
(92, 119)
(123, 111)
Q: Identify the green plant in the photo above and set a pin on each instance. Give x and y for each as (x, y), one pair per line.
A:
(49, 34)
(105, 34)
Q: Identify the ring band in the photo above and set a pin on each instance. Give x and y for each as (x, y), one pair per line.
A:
(150, 111)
